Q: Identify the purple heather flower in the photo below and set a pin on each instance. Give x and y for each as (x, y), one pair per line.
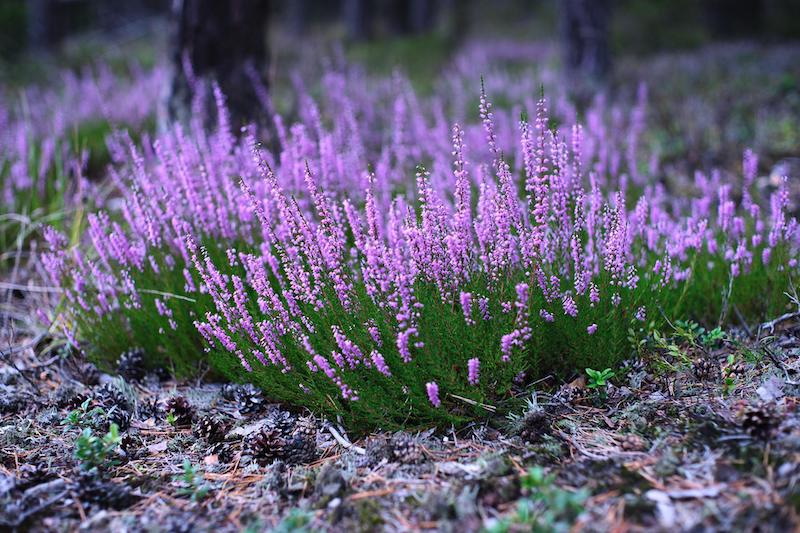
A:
(569, 306)
(433, 393)
(591, 329)
(473, 367)
(466, 307)
(483, 306)
(380, 364)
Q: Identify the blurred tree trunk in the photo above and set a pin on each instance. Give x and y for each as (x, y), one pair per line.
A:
(411, 16)
(39, 19)
(358, 19)
(728, 19)
(585, 38)
(223, 41)
(297, 14)
(422, 15)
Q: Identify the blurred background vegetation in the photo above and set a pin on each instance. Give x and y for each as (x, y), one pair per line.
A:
(411, 33)
(722, 75)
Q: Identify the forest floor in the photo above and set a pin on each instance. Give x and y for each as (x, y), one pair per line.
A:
(713, 444)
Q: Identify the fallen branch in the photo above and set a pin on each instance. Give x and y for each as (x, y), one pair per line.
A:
(772, 323)
(344, 442)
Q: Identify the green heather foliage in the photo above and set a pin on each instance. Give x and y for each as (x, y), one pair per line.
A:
(52, 138)
(323, 273)
(36, 184)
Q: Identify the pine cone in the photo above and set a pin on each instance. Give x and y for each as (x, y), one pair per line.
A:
(212, 428)
(149, 409)
(115, 404)
(306, 428)
(533, 425)
(406, 450)
(760, 420)
(737, 368)
(299, 450)
(223, 451)
(247, 397)
(110, 396)
(706, 369)
(265, 445)
(181, 410)
(281, 420)
(302, 446)
(94, 489)
(88, 374)
(129, 442)
(567, 394)
(130, 365)
(67, 396)
(377, 449)
(121, 418)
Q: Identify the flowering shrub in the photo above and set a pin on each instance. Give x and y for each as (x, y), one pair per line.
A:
(392, 302)
(46, 134)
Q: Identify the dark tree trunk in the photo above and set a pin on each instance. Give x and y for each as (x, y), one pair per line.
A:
(422, 15)
(585, 37)
(407, 17)
(297, 14)
(38, 20)
(728, 19)
(358, 19)
(221, 40)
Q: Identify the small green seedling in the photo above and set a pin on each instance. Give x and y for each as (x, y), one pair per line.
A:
(598, 379)
(83, 417)
(97, 452)
(297, 521)
(713, 338)
(545, 508)
(193, 484)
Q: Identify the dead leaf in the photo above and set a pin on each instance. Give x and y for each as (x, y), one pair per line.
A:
(578, 383)
(158, 447)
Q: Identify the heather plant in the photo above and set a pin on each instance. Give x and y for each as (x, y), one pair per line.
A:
(37, 183)
(52, 136)
(397, 303)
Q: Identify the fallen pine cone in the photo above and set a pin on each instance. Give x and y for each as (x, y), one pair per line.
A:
(130, 365)
(706, 369)
(406, 450)
(760, 420)
(181, 411)
(265, 446)
(212, 428)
